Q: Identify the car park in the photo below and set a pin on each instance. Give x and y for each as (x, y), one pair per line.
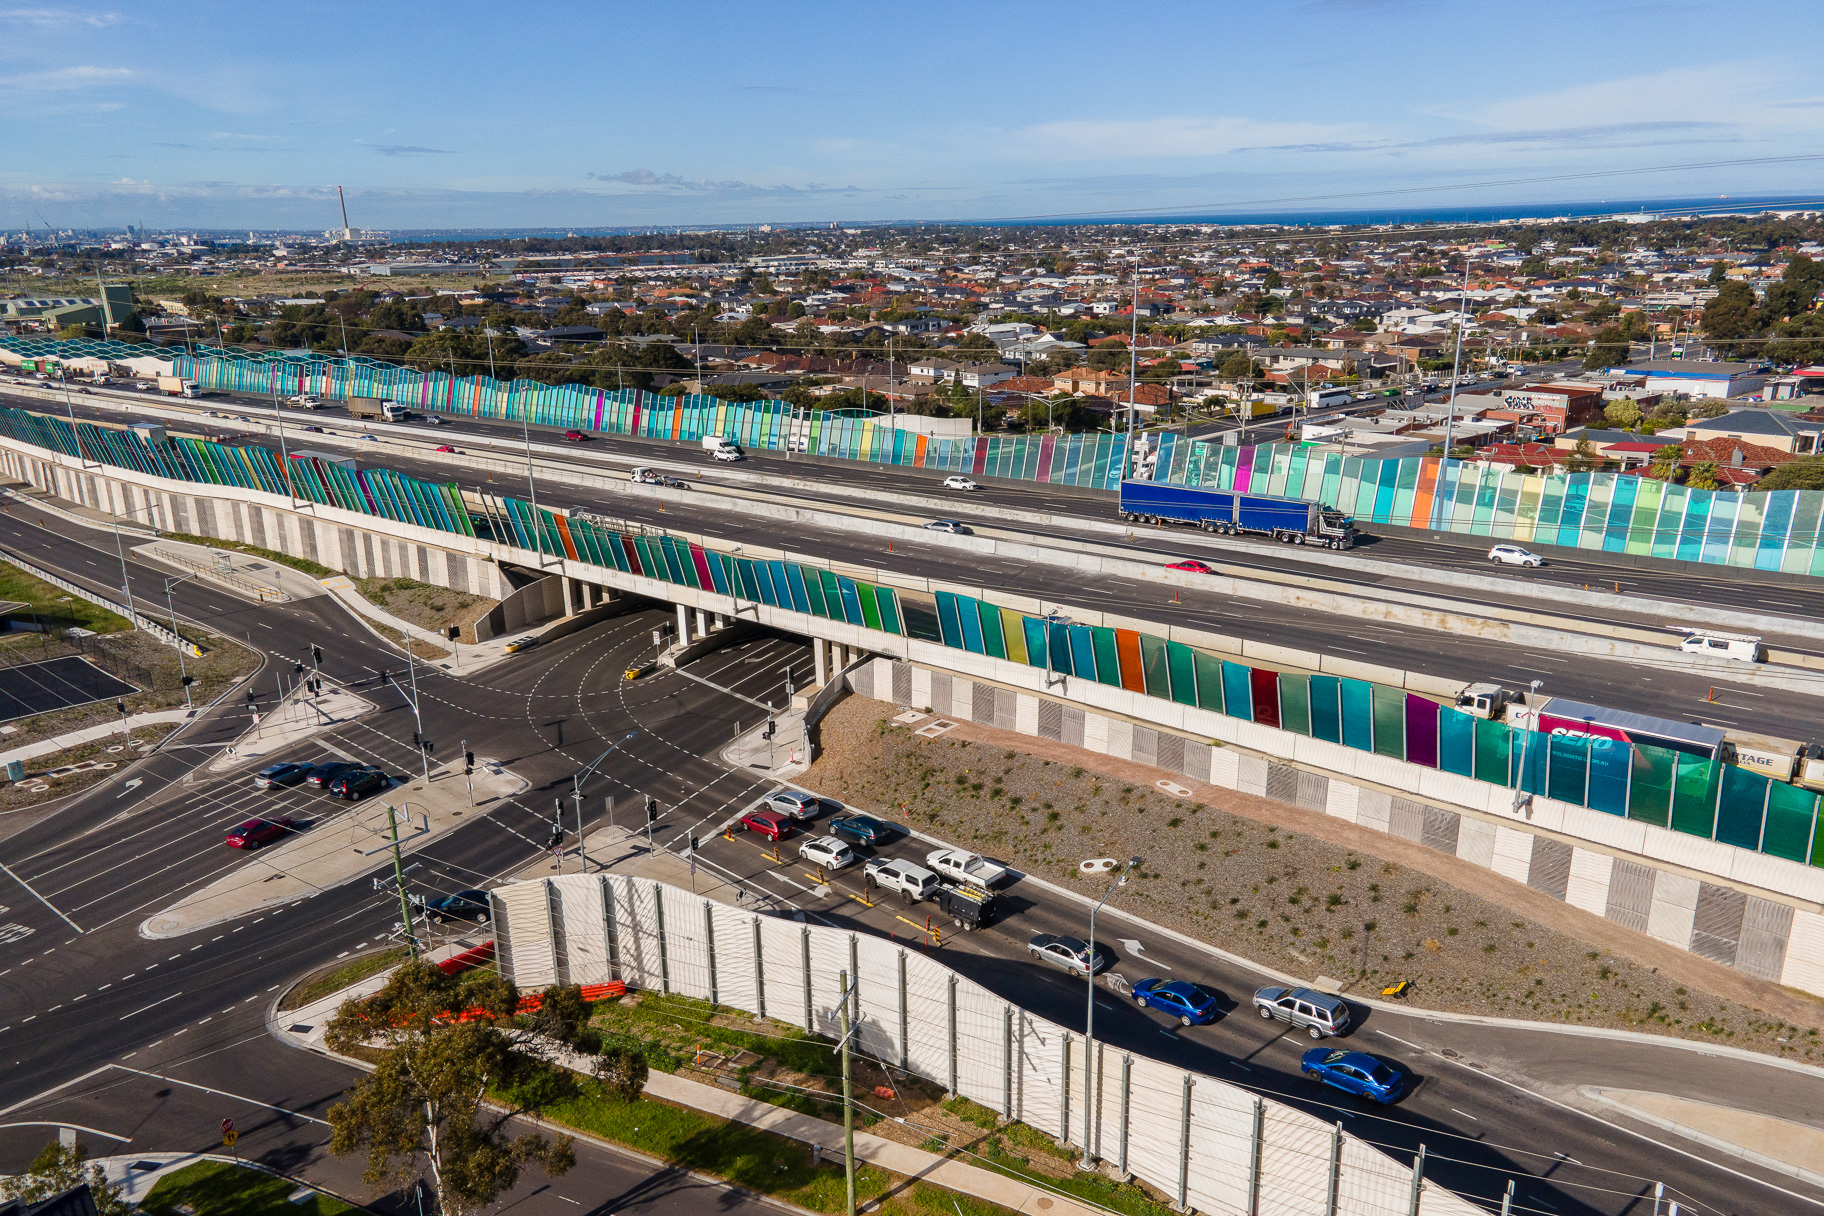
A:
(960, 483)
(1191, 566)
(1191, 1005)
(770, 824)
(321, 775)
(953, 526)
(860, 829)
(828, 852)
(1353, 1072)
(1514, 555)
(1318, 1014)
(796, 803)
(274, 776)
(256, 832)
(357, 783)
(1070, 953)
(960, 865)
(464, 905)
(911, 880)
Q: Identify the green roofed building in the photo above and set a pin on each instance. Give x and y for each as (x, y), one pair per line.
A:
(114, 307)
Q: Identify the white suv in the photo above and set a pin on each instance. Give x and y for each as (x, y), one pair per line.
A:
(911, 880)
(828, 852)
(1514, 555)
(959, 483)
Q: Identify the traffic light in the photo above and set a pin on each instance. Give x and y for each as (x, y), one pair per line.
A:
(386, 677)
(468, 763)
(454, 632)
(652, 809)
(316, 655)
(693, 844)
(557, 839)
(122, 707)
(417, 741)
(297, 669)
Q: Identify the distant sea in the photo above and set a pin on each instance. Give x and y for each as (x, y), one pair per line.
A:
(1585, 209)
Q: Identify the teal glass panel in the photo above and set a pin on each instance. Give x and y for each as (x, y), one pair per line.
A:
(1621, 514)
(1610, 761)
(1802, 547)
(1570, 518)
(1790, 815)
(1568, 768)
(1690, 546)
(1723, 507)
(1776, 528)
(1181, 663)
(1456, 742)
(1488, 485)
(1237, 694)
(1746, 538)
(1494, 740)
(1358, 714)
(1738, 810)
(1694, 796)
(1325, 698)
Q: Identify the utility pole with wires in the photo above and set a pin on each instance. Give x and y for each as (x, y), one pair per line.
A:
(1456, 365)
(848, 1099)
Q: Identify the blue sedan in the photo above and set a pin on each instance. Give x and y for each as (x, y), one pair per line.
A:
(1354, 1072)
(1191, 1005)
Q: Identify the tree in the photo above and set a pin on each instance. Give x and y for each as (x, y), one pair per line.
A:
(1238, 366)
(1719, 272)
(1732, 313)
(1623, 414)
(976, 342)
(622, 1070)
(1272, 281)
(57, 1169)
(1796, 475)
(1583, 457)
(426, 1094)
(1703, 476)
(1109, 356)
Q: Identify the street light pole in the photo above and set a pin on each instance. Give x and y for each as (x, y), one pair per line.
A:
(1526, 744)
(1089, 1025)
(576, 792)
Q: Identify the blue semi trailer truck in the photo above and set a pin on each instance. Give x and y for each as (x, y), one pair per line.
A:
(1290, 520)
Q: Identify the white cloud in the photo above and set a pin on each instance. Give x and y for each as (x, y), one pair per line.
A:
(57, 18)
(1742, 94)
(64, 80)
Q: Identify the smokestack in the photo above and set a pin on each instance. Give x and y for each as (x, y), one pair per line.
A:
(347, 232)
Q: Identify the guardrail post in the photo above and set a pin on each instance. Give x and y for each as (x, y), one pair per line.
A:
(953, 1090)
(1418, 1176)
(709, 950)
(1007, 1060)
(1127, 1086)
(611, 934)
(658, 905)
(905, 1021)
(759, 975)
(1334, 1176)
(1184, 1148)
(804, 938)
(1064, 1087)
(1254, 1154)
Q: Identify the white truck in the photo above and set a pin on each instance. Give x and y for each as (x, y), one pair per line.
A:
(173, 386)
(1324, 398)
(721, 448)
(307, 401)
(960, 865)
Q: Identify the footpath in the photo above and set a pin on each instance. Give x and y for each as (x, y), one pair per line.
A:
(89, 734)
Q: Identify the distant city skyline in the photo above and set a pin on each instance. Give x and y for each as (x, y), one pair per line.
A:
(543, 116)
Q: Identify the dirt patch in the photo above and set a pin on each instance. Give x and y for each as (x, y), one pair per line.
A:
(1298, 901)
(422, 604)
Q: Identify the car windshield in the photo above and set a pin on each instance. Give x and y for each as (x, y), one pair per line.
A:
(1336, 1057)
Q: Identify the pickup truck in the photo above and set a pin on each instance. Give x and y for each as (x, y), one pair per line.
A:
(960, 865)
(652, 477)
(911, 880)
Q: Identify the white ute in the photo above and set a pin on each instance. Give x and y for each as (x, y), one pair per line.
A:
(960, 865)
(911, 880)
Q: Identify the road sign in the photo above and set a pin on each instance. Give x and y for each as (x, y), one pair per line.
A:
(229, 1137)
(227, 1126)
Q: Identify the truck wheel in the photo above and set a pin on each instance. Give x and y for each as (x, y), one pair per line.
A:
(906, 896)
(958, 922)
(1265, 1012)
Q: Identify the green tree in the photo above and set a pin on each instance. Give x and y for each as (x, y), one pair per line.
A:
(57, 1169)
(1109, 356)
(1623, 415)
(976, 342)
(425, 1097)
(1719, 272)
(1271, 281)
(1796, 475)
(1238, 366)
(1583, 457)
(1732, 314)
(1703, 476)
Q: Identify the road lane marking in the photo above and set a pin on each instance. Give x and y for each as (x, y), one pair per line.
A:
(155, 1004)
(1465, 1114)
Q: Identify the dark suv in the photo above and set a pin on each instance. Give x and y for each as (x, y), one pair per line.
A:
(321, 777)
(358, 783)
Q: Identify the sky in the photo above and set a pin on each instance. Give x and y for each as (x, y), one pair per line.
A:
(533, 114)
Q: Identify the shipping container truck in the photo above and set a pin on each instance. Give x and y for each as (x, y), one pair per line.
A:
(1290, 520)
(174, 386)
(1578, 719)
(376, 407)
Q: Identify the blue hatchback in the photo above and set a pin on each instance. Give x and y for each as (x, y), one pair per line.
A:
(1191, 1005)
(1354, 1072)
(860, 829)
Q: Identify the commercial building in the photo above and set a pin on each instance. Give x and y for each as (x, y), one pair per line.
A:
(114, 307)
(1697, 378)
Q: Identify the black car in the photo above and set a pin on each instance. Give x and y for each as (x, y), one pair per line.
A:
(464, 905)
(320, 776)
(358, 783)
(860, 829)
(276, 775)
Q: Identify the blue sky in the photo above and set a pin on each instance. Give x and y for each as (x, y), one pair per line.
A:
(463, 114)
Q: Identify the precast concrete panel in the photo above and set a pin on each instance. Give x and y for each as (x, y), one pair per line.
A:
(1295, 1156)
(1590, 876)
(1476, 842)
(1804, 964)
(1674, 908)
(1374, 809)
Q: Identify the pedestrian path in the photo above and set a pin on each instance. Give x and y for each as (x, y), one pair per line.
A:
(1793, 1149)
(89, 734)
(466, 657)
(258, 578)
(295, 719)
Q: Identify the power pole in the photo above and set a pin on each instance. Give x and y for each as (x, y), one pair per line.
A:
(405, 906)
(848, 1104)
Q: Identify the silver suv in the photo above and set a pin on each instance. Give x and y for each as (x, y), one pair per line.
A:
(1320, 1014)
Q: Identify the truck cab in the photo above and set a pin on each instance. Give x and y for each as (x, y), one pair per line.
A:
(1488, 701)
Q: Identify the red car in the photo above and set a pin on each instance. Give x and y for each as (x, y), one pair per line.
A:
(770, 824)
(1191, 564)
(444, 447)
(256, 832)
(576, 437)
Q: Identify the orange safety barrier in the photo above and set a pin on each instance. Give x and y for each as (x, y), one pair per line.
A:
(475, 956)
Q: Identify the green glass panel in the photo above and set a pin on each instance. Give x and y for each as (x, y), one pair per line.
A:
(1493, 740)
(1294, 703)
(889, 609)
(1152, 665)
(990, 616)
(1326, 706)
(1650, 791)
(1738, 811)
(1108, 662)
(1790, 812)
(1389, 721)
(1694, 796)
(1209, 681)
(870, 610)
(1182, 666)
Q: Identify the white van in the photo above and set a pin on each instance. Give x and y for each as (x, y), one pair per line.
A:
(1742, 646)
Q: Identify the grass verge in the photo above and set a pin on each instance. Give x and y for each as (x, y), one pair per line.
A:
(314, 569)
(54, 607)
(340, 975)
(217, 1188)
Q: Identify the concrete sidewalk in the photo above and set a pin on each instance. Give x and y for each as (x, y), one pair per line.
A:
(245, 574)
(296, 719)
(343, 845)
(1793, 1149)
(88, 734)
(465, 657)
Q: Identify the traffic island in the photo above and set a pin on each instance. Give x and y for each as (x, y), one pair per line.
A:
(1294, 890)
